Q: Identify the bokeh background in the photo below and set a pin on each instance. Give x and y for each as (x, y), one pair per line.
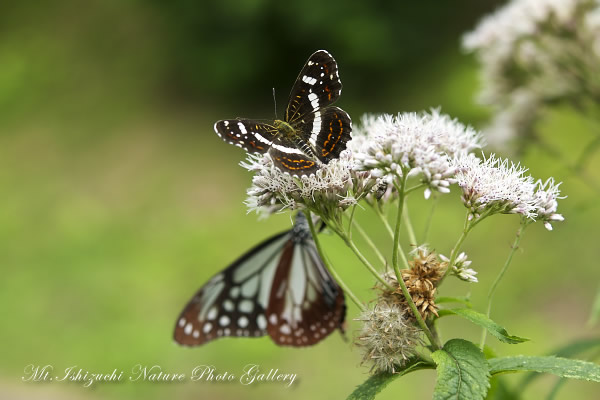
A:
(118, 201)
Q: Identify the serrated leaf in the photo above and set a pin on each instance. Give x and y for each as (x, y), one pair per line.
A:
(480, 319)
(462, 372)
(563, 367)
(375, 384)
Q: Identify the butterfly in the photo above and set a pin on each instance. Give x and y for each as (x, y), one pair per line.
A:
(312, 133)
(280, 287)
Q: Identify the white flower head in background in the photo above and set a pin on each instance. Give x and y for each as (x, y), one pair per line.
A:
(414, 143)
(533, 53)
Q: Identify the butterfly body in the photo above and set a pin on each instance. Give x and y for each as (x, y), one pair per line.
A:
(312, 133)
(279, 288)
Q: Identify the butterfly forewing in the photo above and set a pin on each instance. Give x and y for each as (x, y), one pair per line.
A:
(252, 136)
(233, 302)
(317, 86)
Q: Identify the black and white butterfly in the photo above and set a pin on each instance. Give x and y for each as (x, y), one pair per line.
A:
(312, 133)
(280, 287)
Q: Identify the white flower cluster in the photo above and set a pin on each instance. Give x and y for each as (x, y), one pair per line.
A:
(413, 143)
(535, 52)
(494, 186)
(334, 186)
(461, 268)
(546, 196)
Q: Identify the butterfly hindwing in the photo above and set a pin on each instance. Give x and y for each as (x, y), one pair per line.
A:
(252, 136)
(333, 135)
(280, 287)
(317, 86)
(306, 304)
(291, 160)
(233, 302)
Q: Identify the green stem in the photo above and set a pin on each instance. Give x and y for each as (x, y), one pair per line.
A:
(384, 220)
(416, 187)
(429, 219)
(396, 246)
(327, 263)
(367, 239)
(366, 262)
(494, 286)
(349, 233)
(395, 255)
(466, 228)
(409, 228)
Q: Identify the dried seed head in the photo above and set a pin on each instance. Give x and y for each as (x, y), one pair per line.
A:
(421, 280)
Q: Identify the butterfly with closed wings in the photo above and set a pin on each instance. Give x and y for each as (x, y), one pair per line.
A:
(280, 287)
(312, 133)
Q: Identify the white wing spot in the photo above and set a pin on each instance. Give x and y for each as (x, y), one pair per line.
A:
(323, 330)
(285, 329)
(196, 334)
(331, 76)
(242, 128)
(212, 313)
(243, 321)
(261, 321)
(207, 327)
(226, 123)
(246, 306)
(309, 80)
(181, 322)
(273, 319)
(235, 292)
(188, 329)
(224, 320)
(227, 331)
(228, 305)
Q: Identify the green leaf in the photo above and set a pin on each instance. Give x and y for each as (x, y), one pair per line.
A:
(480, 319)
(563, 367)
(449, 299)
(569, 350)
(462, 371)
(375, 384)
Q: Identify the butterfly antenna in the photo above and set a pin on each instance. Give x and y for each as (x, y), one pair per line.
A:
(275, 102)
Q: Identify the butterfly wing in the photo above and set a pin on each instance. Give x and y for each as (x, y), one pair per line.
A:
(335, 131)
(317, 86)
(306, 304)
(233, 302)
(291, 160)
(252, 136)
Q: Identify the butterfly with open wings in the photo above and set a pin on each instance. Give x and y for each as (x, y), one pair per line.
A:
(313, 132)
(280, 287)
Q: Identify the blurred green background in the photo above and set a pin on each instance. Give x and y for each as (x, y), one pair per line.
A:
(118, 200)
